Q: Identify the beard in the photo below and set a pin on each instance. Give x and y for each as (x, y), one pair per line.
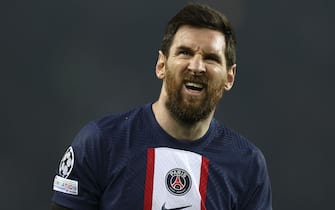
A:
(187, 109)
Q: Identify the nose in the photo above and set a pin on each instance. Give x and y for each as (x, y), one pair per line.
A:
(196, 64)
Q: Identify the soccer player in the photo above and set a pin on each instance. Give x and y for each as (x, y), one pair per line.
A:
(172, 153)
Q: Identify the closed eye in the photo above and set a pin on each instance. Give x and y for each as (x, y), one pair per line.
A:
(213, 57)
(184, 52)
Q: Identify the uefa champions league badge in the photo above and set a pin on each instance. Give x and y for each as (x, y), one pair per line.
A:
(61, 181)
(66, 163)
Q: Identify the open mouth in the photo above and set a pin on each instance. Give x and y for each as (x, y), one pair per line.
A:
(194, 86)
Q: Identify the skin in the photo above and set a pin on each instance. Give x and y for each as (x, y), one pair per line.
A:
(195, 52)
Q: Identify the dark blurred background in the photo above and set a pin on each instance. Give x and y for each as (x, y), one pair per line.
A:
(64, 63)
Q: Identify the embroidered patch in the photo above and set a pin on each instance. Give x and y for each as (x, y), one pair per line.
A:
(66, 164)
(65, 185)
(178, 181)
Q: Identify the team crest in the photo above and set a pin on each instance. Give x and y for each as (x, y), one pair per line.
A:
(66, 164)
(178, 181)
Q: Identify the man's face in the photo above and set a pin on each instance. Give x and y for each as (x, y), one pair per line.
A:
(195, 74)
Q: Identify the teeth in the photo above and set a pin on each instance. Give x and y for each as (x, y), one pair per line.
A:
(196, 85)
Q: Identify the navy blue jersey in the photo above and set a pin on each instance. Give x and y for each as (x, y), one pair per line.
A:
(127, 161)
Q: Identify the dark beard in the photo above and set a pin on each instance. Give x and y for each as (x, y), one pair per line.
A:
(186, 110)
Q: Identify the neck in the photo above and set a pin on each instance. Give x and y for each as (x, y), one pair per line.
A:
(176, 128)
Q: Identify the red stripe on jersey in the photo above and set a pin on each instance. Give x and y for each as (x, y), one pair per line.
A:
(203, 181)
(149, 179)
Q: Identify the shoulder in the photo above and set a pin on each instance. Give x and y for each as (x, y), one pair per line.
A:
(234, 140)
(250, 173)
(114, 122)
(235, 147)
(107, 130)
(249, 169)
(102, 143)
(121, 120)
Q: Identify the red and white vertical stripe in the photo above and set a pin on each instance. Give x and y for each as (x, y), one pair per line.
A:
(159, 162)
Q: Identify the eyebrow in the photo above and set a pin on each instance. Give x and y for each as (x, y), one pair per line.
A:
(205, 55)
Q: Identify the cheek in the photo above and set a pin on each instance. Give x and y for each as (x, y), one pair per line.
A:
(175, 73)
(177, 66)
(218, 79)
(172, 81)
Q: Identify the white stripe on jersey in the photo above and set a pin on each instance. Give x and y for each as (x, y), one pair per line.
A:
(174, 170)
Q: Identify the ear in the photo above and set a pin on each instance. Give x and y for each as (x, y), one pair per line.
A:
(160, 65)
(231, 72)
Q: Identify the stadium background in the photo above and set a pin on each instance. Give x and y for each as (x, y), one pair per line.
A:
(64, 63)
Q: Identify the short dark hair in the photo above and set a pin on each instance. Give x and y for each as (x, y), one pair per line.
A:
(201, 16)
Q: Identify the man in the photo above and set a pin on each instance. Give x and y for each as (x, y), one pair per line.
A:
(171, 154)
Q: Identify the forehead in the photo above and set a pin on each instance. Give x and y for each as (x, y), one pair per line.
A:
(203, 39)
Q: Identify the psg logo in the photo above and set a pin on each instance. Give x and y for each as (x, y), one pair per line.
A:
(178, 181)
(66, 164)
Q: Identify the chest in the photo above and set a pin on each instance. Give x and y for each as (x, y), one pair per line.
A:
(165, 178)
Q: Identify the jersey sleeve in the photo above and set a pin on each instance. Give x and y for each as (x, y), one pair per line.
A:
(79, 180)
(259, 195)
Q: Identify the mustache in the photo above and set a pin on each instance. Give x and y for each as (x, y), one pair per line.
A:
(201, 79)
